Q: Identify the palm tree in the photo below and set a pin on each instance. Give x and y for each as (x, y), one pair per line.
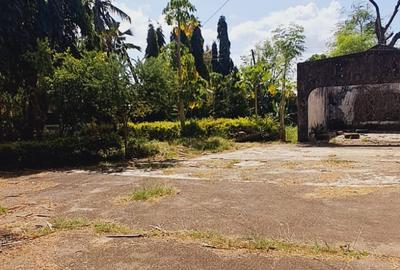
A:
(179, 14)
(102, 11)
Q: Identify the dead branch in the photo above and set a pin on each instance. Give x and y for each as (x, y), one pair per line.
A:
(131, 236)
(394, 40)
(378, 23)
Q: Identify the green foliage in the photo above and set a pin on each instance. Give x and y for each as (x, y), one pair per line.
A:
(356, 33)
(162, 131)
(197, 50)
(94, 88)
(179, 13)
(60, 152)
(3, 210)
(227, 128)
(152, 193)
(141, 148)
(230, 99)
(157, 87)
(316, 57)
(213, 144)
(291, 134)
(152, 49)
(225, 62)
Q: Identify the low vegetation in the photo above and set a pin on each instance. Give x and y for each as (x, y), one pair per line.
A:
(100, 144)
(292, 135)
(210, 239)
(3, 210)
(266, 129)
(79, 223)
(152, 193)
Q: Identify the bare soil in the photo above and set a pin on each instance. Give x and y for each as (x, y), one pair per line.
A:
(341, 195)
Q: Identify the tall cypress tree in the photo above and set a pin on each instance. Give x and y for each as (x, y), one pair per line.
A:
(197, 50)
(226, 63)
(152, 49)
(160, 38)
(214, 60)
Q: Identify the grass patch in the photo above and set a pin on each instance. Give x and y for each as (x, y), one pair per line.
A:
(212, 144)
(3, 210)
(210, 239)
(152, 193)
(333, 161)
(219, 241)
(292, 135)
(70, 223)
(73, 224)
(101, 226)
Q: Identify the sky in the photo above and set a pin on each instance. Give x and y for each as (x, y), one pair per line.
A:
(250, 21)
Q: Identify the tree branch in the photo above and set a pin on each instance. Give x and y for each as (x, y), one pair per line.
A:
(389, 36)
(394, 40)
(378, 23)
(396, 10)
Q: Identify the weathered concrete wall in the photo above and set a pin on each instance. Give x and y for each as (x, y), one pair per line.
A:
(317, 110)
(358, 106)
(378, 66)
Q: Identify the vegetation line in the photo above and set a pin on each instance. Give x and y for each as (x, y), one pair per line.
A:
(207, 239)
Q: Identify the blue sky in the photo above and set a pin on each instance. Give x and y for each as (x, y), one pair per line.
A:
(251, 21)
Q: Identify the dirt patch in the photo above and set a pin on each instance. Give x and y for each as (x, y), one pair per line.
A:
(340, 192)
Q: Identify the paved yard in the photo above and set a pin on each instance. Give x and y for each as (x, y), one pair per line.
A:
(316, 198)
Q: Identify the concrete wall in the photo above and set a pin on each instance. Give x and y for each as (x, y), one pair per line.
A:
(377, 66)
(359, 106)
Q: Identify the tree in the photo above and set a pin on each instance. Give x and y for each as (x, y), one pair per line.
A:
(156, 86)
(289, 43)
(160, 38)
(197, 50)
(179, 14)
(102, 18)
(225, 61)
(215, 59)
(381, 31)
(355, 34)
(153, 48)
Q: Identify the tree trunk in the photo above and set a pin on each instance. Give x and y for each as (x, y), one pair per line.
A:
(181, 104)
(256, 100)
(126, 137)
(282, 108)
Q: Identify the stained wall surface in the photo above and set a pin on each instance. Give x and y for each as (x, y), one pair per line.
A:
(358, 90)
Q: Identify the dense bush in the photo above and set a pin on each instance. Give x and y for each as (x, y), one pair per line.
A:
(265, 128)
(60, 152)
(213, 144)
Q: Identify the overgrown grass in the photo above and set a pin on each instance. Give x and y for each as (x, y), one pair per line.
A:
(3, 210)
(152, 193)
(211, 239)
(101, 226)
(213, 144)
(73, 224)
(70, 223)
(219, 241)
(266, 128)
(292, 135)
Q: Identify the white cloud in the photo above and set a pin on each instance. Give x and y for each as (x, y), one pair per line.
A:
(319, 24)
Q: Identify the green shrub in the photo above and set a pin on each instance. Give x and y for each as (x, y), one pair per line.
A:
(213, 144)
(193, 129)
(265, 128)
(162, 131)
(291, 134)
(60, 152)
(140, 148)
